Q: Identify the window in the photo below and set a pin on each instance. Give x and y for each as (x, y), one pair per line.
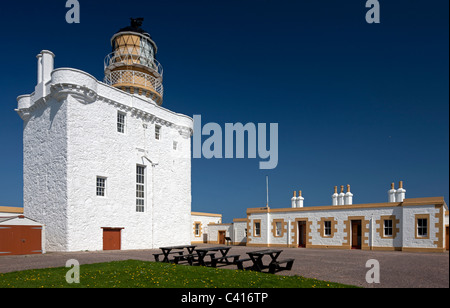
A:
(158, 132)
(197, 229)
(175, 145)
(278, 226)
(101, 186)
(121, 122)
(140, 188)
(327, 228)
(422, 227)
(257, 228)
(388, 227)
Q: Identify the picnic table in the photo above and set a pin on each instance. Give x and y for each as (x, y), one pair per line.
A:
(166, 251)
(257, 258)
(202, 252)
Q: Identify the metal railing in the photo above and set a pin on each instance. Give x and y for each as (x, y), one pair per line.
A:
(130, 77)
(117, 58)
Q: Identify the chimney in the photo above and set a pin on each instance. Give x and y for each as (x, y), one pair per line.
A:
(300, 199)
(46, 61)
(294, 199)
(391, 193)
(334, 197)
(400, 193)
(348, 199)
(341, 196)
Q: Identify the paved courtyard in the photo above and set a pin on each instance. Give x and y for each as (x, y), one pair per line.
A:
(397, 269)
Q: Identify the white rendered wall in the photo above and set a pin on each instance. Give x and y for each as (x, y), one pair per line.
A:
(240, 233)
(44, 170)
(213, 232)
(205, 220)
(73, 138)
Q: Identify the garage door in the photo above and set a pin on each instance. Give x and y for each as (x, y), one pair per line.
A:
(20, 240)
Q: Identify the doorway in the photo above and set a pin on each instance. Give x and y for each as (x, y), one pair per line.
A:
(356, 234)
(302, 234)
(111, 239)
(222, 235)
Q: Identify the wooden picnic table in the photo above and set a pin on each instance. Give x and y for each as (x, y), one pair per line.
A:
(202, 252)
(257, 258)
(166, 251)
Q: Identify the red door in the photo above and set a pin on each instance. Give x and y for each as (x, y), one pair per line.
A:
(356, 234)
(20, 240)
(222, 235)
(301, 234)
(111, 239)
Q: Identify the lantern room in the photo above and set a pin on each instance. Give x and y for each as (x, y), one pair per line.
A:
(132, 66)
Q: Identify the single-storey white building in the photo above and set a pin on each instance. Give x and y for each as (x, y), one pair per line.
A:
(200, 226)
(20, 235)
(418, 224)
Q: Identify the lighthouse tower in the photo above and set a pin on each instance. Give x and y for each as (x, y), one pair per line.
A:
(132, 66)
(105, 166)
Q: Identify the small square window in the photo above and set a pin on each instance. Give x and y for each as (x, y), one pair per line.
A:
(101, 186)
(388, 227)
(422, 227)
(278, 228)
(158, 132)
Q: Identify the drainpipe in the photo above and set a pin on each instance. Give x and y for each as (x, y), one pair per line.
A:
(153, 194)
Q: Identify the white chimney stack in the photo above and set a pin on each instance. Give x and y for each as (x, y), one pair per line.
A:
(391, 193)
(294, 200)
(341, 196)
(334, 197)
(300, 199)
(46, 62)
(401, 193)
(348, 199)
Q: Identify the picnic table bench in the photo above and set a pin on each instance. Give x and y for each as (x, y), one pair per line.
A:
(224, 259)
(202, 252)
(275, 266)
(257, 258)
(166, 251)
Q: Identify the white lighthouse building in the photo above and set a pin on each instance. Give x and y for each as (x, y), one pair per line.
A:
(105, 166)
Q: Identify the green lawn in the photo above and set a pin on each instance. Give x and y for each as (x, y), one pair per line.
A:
(139, 274)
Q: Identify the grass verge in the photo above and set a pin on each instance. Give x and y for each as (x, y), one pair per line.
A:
(140, 274)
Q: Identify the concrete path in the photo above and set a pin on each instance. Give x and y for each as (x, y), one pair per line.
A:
(397, 269)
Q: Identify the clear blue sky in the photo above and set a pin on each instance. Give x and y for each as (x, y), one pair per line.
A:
(357, 103)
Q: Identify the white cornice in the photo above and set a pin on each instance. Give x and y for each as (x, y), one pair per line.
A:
(87, 90)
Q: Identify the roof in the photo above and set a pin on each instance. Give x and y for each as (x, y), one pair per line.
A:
(439, 201)
(135, 26)
(22, 220)
(206, 214)
(11, 209)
